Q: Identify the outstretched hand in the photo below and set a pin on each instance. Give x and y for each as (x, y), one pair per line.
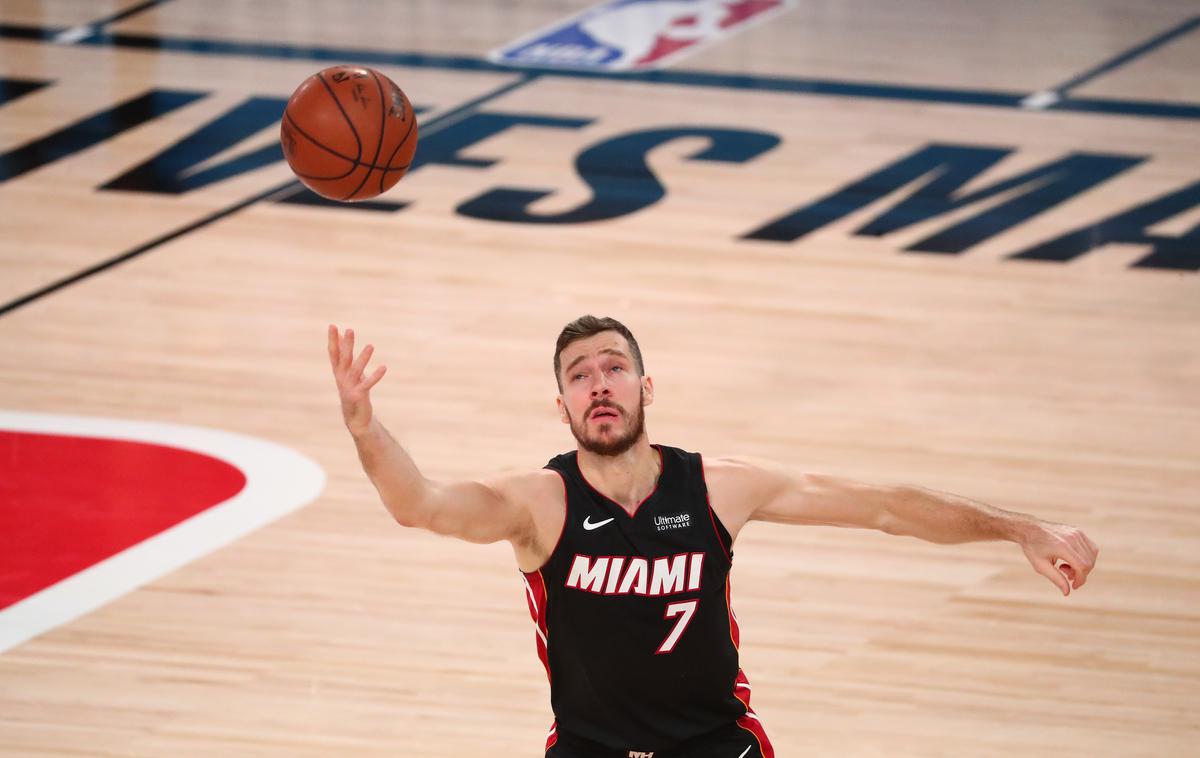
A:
(1061, 553)
(353, 389)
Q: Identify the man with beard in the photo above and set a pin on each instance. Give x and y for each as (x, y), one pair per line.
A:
(625, 549)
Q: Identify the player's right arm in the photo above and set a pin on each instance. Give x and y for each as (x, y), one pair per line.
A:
(475, 511)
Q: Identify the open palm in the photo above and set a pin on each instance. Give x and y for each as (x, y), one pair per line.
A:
(354, 388)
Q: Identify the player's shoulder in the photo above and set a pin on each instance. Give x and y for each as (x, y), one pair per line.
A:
(739, 473)
(734, 465)
(737, 487)
(528, 486)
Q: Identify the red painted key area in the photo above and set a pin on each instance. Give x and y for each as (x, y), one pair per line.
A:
(67, 503)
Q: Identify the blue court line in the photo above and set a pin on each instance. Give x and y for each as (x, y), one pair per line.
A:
(1145, 108)
(442, 120)
(122, 15)
(74, 34)
(757, 83)
(279, 192)
(1127, 56)
(26, 299)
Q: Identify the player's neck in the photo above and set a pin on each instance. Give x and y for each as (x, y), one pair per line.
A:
(626, 479)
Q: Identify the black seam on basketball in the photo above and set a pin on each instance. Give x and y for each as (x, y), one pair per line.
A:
(328, 149)
(412, 122)
(394, 169)
(314, 177)
(321, 145)
(383, 112)
(379, 143)
(338, 103)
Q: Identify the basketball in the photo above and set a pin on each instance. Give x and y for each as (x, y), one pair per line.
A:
(348, 133)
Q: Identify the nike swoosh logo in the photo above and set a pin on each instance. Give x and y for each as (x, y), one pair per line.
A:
(587, 523)
(747, 750)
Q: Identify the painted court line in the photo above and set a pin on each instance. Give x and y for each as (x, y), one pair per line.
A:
(1052, 96)
(685, 78)
(278, 481)
(281, 191)
(83, 31)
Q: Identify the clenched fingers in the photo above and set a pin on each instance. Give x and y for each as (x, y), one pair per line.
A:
(1050, 571)
(1084, 556)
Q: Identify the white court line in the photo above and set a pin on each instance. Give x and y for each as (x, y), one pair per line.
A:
(1041, 100)
(74, 34)
(278, 481)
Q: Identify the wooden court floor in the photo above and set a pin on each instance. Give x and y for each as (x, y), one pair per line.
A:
(947, 244)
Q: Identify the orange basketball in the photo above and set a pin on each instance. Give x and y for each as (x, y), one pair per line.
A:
(348, 133)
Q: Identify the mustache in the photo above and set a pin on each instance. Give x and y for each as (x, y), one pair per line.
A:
(603, 404)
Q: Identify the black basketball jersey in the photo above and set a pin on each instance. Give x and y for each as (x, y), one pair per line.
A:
(633, 615)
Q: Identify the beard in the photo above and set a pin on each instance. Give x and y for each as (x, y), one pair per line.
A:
(613, 446)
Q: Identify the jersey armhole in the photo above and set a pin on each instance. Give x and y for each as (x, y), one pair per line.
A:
(562, 530)
(723, 537)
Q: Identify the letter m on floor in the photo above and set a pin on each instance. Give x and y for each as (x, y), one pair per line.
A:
(938, 173)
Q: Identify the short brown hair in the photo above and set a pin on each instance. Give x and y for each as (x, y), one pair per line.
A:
(587, 326)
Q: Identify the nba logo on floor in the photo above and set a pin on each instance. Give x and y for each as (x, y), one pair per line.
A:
(631, 35)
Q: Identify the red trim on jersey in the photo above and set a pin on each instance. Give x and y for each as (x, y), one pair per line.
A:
(661, 467)
(552, 737)
(750, 722)
(735, 633)
(712, 515)
(741, 686)
(535, 595)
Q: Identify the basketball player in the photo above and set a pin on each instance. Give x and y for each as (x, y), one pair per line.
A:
(625, 548)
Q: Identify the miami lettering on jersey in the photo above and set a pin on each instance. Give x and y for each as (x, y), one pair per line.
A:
(623, 575)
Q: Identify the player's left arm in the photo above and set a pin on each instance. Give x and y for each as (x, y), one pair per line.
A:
(743, 490)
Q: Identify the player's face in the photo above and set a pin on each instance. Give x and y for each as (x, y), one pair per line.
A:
(603, 397)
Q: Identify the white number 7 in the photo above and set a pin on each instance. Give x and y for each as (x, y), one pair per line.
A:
(684, 610)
